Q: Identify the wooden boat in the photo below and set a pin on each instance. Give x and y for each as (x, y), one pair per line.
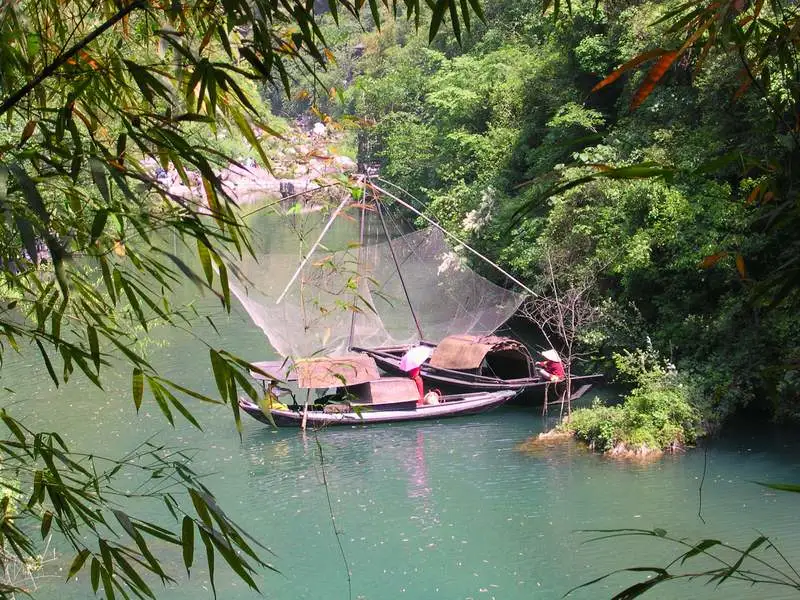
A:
(362, 396)
(474, 363)
(453, 300)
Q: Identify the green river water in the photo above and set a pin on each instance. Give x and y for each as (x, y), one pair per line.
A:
(453, 509)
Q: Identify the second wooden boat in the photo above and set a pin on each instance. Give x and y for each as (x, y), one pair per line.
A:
(472, 363)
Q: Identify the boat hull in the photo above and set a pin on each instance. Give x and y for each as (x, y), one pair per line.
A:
(452, 406)
(450, 380)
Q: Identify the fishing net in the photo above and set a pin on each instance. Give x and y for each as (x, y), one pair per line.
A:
(344, 285)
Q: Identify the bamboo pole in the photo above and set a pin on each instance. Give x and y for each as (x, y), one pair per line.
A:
(313, 248)
(305, 411)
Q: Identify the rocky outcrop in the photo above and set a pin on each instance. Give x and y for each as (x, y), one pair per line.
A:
(305, 164)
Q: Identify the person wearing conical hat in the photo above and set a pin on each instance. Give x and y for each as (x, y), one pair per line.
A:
(551, 369)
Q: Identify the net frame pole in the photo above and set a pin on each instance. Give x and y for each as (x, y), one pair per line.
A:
(313, 248)
(358, 265)
(453, 237)
(397, 267)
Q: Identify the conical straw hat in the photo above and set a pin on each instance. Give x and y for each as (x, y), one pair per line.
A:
(551, 355)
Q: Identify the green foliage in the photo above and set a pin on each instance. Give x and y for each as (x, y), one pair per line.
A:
(761, 562)
(673, 206)
(94, 99)
(657, 414)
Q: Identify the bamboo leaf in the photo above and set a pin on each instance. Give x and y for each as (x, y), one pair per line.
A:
(221, 376)
(784, 487)
(107, 279)
(376, 15)
(634, 62)
(158, 395)
(190, 392)
(638, 589)
(205, 261)
(13, 427)
(465, 14)
(436, 18)
(699, 548)
(138, 387)
(136, 583)
(99, 177)
(94, 346)
(223, 280)
(476, 6)
(3, 185)
(653, 77)
(710, 261)
(27, 132)
(740, 266)
(108, 585)
(454, 20)
(759, 541)
(77, 563)
(47, 521)
(187, 540)
(98, 224)
(95, 574)
(247, 132)
(47, 363)
(236, 563)
(209, 559)
(182, 409)
(200, 507)
(234, 400)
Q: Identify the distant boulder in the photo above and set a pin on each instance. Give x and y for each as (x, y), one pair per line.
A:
(345, 163)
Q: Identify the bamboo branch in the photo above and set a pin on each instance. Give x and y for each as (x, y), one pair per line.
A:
(62, 59)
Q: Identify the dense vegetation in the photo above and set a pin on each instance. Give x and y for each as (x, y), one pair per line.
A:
(699, 256)
(658, 414)
(95, 99)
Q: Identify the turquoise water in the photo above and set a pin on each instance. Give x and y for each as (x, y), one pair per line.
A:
(456, 509)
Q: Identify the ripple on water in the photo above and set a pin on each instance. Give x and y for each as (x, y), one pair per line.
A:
(454, 509)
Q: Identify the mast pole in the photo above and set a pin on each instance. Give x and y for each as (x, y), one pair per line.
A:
(397, 267)
(358, 263)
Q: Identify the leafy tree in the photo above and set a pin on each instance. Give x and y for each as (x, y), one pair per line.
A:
(93, 99)
(686, 199)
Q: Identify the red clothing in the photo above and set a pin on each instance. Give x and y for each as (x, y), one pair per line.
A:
(555, 369)
(414, 374)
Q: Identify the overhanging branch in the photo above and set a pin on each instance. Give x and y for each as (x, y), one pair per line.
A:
(62, 59)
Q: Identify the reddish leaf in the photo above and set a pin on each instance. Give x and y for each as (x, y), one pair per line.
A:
(206, 39)
(740, 266)
(710, 261)
(634, 62)
(653, 77)
(742, 89)
(753, 195)
(87, 58)
(27, 132)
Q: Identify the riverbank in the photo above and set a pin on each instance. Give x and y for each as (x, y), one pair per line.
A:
(305, 161)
